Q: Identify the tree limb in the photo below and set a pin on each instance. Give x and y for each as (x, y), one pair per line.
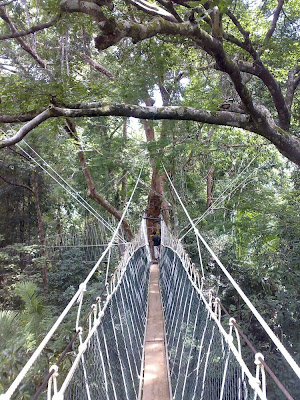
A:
(275, 19)
(33, 123)
(16, 184)
(170, 7)
(123, 110)
(113, 32)
(287, 144)
(96, 65)
(6, 3)
(92, 8)
(153, 10)
(258, 69)
(23, 44)
(292, 83)
(92, 192)
(33, 29)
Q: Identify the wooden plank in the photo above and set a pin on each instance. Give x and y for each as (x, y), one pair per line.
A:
(156, 384)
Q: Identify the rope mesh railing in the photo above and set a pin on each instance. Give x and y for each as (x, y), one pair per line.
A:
(110, 366)
(131, 277)
(205, 362)
(201, 363)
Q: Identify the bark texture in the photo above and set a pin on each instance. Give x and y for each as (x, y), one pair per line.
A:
(92, 192)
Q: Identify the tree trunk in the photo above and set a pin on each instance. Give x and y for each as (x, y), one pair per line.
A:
(210, 187)
(124, 187)
(41, 230)
(157, 204)
(92, 193)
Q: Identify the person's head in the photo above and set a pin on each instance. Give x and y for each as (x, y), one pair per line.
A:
(154, 232)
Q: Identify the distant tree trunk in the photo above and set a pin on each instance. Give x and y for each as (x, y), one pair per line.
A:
(22, 220)
(92, 192)
(124, 187)
(58, 226)
(41, 229)
(157, 204)
(210, 187)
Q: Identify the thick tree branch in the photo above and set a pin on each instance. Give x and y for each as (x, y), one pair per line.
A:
(97, 66)
(292, 83)
(170, 7)
(33, 29)
(92, 8)
(258, 69)
(152, 9)
(92, 192)
(16, 184)
(113, 32)
(23, 44)
(275, 19)
(288, 145)
(6, 3)
(33, 123)
(98, 109)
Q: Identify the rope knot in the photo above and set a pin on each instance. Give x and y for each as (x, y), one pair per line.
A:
(55, 368)
(232, 321)
(257, 360)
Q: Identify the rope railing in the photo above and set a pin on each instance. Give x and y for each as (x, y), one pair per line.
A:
(204, 361)
(140, 241)
(254, 351)
(109, 359)
(171, 265)
(249, 304)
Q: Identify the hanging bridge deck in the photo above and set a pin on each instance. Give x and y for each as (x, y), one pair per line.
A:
(156, 384)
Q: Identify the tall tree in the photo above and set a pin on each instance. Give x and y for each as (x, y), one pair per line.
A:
(263, 98)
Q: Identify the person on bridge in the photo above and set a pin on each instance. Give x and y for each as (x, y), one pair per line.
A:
(156, 245)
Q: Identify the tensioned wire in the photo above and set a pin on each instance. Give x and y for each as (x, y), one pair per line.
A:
(260, 319)
(36, 354)
(70, 191)
(83, 202)
(222, 197)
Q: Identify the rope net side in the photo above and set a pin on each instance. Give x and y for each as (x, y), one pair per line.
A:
(104, 358)
(110, 366)
(205, 362)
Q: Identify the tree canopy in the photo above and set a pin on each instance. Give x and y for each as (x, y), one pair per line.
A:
(218, 39)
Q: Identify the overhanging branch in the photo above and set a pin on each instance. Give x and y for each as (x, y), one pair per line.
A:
(124, 110)
(33, 29)
(288, 145)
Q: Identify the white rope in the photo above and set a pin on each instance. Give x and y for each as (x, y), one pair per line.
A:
(84, 203)
(199, 355)
(221, 197)
(135, 325)
(85, 378)
(84, 345)
(71, 191)
(252, 381)
(119, 356)
(128, 330)
(126, 347)
(175, 305)
(191, 348)
(206, 362)
(109, 364)
(184, 339)
(103, 365)
(260, 319)
(36, 354)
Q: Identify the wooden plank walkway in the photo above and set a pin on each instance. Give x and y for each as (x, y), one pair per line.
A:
(156, 384)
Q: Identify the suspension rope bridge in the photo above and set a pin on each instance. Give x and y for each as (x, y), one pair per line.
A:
(106, 356)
